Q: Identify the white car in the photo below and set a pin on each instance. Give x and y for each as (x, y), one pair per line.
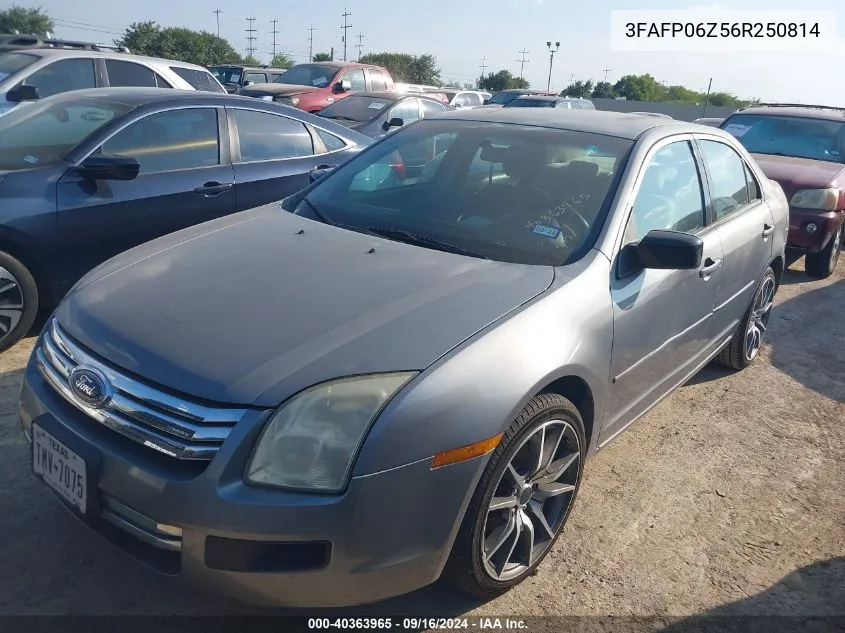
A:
(461, 99)
(27, 74)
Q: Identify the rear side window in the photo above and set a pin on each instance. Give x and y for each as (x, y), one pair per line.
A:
(265, 136)
(753, 185)
(430, 107)
(256, 78)
(123, 73)
(198, 79)
(377, 80)
(63, 75)
(332, 142)
(728, 174)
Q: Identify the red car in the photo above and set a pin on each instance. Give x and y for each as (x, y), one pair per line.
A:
(311, 87)
(802, 148)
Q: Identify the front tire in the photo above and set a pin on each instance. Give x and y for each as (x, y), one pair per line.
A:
(749, 335)
(822, 264)
(18, 301)
(522, 500)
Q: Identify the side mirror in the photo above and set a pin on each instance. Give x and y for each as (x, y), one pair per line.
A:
(394, 122)
(343, 86)
(248, 83)
(669, 250)
(22, 93)
(109, 168)
(318, 172)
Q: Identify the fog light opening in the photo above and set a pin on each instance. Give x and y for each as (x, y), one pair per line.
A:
(810, 228)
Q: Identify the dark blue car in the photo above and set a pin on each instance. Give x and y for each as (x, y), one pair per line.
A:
(86, 175)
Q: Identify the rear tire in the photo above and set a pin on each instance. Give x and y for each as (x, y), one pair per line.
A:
(822, 264)
(751, 331)
(18, 301)
(512, 474)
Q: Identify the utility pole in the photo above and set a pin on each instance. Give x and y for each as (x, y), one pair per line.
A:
(707, 97)
(552, 52)
(360, 45)
(571, 79)
(606, 72)
(346, 26)
(331, 55)
(274, 32)
(483, 67)
(522, 62)
(250, 38)
(218, 12)
(311, 43)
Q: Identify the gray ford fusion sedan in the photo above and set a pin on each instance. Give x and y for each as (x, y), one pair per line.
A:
(398, 373)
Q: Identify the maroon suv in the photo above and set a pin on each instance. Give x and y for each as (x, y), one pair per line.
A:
(802, 148)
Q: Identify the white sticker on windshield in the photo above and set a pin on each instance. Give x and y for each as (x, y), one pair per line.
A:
(737, 129)
(376, 106)
(319, 81)
(30, 159)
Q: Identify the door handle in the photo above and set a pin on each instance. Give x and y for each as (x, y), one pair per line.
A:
(211, 189)
(767, 230)
(710, 266)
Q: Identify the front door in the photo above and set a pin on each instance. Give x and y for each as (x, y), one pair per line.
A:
(663, 319)
(745, 225)
(183, 181)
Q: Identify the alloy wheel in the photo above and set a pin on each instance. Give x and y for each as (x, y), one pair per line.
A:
(11, 302)
(531, 500)
(758, 323)
(836, 248)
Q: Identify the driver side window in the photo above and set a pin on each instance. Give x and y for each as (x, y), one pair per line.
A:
(670, 195)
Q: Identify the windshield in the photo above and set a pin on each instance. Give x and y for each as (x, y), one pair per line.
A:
(227, 75)
(317, 75)
(44, 132)
(503, 98)
(10, 63)
(510, 193)
(530, 103)
(817, 139)
(356, 108)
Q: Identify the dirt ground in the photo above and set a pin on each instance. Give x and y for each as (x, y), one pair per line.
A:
(728, 498)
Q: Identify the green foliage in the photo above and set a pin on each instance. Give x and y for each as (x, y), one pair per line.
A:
(251, 60)
(322, 57)
(603, 90)
(579, 89)
(282, 60)
(25, 21)
(502, 80)
(195, 47)
(454, 84)
(406, 68)
(639, 88)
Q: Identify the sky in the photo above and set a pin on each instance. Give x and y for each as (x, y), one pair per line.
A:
(465, 35)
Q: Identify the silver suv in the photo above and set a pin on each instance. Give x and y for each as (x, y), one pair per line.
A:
(32, 73)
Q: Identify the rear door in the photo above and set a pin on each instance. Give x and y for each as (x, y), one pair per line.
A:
(272, 155)
(376, 79)
(185, 178)
(125, 73)
(745, 225)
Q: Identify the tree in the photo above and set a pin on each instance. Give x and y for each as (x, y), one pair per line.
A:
(502, 80)
(282, 60)
(603, 90)
(251, 60)
(679, 94)
(25, 21)
(415, 69)
(454, 84)
(195, 47)
(639, 88)
(322, 57)
(578, 89)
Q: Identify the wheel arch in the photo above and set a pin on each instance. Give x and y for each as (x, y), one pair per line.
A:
(577, 390)
(778, 265)
(11, 244)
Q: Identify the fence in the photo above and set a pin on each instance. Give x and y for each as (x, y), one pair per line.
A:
(680, 111)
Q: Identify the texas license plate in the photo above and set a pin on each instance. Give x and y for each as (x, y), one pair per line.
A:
(59, 467)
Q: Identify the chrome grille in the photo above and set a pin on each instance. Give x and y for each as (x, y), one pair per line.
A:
(165, 423)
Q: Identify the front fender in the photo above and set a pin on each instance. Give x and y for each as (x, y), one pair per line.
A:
(477, 390)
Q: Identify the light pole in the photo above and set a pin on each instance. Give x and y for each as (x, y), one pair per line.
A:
(552, 52)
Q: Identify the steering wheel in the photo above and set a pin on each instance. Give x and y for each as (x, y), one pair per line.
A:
(661, 215)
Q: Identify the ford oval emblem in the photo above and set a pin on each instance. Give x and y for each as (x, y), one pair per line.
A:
(90, 386)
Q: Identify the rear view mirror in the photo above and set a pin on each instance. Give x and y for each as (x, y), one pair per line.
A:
(22, 93)
(669, 250)
(109, 168)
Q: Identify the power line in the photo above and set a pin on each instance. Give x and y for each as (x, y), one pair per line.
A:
(346, 26)
(483, 67)
(522, 62)
(274, 32)
(360, 45)
(218, 12)
(311, 43)
(86, 28)
(606, 72)
(250, 38)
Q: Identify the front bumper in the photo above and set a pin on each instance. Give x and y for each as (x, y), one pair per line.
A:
(390, 533)
(827, 222)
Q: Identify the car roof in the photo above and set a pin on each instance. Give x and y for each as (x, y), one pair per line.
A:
(66, 52)
(241, 66)
(807, 112)
(618, 124)
(392, 95)
(134, 96)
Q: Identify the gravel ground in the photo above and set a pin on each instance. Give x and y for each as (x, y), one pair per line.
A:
(727, 498)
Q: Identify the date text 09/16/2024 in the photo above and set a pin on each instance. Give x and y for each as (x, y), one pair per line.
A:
(416, 624)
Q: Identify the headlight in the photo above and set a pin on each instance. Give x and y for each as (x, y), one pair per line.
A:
(311, 441)
(293, 101)
(821, 199)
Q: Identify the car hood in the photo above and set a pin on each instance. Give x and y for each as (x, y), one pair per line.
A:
(252, 308)
(800, 173)
(276, 89)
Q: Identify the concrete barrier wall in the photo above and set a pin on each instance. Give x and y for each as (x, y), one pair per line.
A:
(680, 111)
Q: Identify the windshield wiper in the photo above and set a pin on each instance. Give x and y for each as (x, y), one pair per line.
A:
(340, 117)
(320, 215)
(408, 237)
